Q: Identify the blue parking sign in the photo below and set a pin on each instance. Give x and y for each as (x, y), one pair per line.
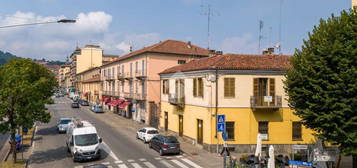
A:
(221, 119)
(221, 127)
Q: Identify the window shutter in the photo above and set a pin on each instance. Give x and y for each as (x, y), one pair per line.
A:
(226, 87)
(200, 87)
(194, 87)
(272, 90)
(232, 87)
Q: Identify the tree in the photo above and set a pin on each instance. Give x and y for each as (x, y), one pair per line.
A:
(25, 88)
(322, 83)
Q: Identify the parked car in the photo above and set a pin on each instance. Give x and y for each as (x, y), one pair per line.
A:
(97, 108)
(96, 166)
(84, 103)
(146, 134)
(75, 105)
(62, 124)
(165, 144)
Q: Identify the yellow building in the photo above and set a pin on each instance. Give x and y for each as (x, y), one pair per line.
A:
(64, 69)
(247, 89)
(89, 85)
(354, 3)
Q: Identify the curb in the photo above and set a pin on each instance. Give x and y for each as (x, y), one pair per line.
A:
(31, 146)
(9, 150)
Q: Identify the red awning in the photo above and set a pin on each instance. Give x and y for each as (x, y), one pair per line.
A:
(85, 94)
(106, 99)
(123, 105)
(117, 102)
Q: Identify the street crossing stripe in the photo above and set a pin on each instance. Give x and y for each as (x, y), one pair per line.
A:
(179, 156)
(168, 165)
(130, 160)
(106, 163)
(122, 166)
(78, 167)
(179, 164)
(118, 161)
(158, 158)
(191, 163)
(142, 159)
(149, 165)
(135, 165)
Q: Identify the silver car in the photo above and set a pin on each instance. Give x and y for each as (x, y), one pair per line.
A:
(62, 124)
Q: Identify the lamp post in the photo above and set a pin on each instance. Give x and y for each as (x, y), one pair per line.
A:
(37, 23)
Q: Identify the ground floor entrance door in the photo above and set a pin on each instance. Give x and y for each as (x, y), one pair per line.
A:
(180, 125)
(199, 131)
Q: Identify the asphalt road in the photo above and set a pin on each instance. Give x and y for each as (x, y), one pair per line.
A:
(3, 138)
(122, 148)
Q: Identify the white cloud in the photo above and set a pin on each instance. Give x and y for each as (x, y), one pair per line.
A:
(124, 47)
(137, 41)
(242, 45)
(51, 41)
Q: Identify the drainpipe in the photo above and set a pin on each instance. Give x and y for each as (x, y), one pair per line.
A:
(216, 112)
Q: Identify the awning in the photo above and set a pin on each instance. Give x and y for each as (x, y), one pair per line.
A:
(123, 105)
(85, 94)
(116, 102)
(106, 99)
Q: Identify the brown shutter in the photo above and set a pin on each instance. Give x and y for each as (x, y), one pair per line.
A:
(200, 87)
(232, 87)
(194, 87)
(226, 87)
(272, 90)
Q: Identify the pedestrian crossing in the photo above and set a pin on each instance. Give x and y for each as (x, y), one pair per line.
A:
(161, 162)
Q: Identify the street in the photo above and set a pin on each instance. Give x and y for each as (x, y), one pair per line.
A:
(121, 147)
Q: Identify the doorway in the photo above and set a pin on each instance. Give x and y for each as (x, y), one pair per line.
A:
(199, 131)
(180, 125)
(166, 121)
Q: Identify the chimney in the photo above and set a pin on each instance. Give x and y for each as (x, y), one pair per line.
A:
(131, 49)
(219, 52)
(268, 51)
(189, 44)
(211, 53)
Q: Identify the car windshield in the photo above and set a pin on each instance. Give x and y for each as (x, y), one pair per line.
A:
(153, 132)
(65, 121)
(171, 140)
(86, 139)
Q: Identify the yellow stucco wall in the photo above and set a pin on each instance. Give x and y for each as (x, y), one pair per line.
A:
(89, 57)
(246, 124)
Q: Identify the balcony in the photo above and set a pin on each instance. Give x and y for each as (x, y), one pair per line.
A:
(96, 92)
(128, 95)
(121, 76)
(174, 99)
(128, 76)
(139, 74)
(107, 93)
(266, 102)
(109, 77)
(139, 96)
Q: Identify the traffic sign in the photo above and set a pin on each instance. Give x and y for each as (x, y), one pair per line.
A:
(221, 119)
(221, 127)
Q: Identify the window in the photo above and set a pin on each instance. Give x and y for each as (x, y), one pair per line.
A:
(181, 61)
(263, 127)
(122, 69)
(165, 86)
(297, 131)
(197, 87)
(230, 130)
(229, 87)
(136, 67)
(142, 67)
(122, 86)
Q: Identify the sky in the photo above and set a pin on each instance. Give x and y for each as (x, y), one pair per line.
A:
(116, 25)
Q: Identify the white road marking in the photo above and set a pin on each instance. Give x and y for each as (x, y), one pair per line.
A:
(106, 163)
(158, 158)
(179, 156)
(130, 160)
(142, 159)
(135, 165)
(106, 148)
(179, 164)
(149, 165)
(110, 166)
(164, 162)
(78, 167)
(191, 163)
(122, 166)
(168, 157)
(118, 161)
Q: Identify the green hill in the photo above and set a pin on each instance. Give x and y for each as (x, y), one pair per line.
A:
(5, 56)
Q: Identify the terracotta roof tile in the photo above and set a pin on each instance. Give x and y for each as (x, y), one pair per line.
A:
(235, 62)
(168, 46)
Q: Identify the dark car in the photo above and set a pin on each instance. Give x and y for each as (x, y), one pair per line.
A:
(75, 105)
(96, 166)
(84, 103)
(165, 144)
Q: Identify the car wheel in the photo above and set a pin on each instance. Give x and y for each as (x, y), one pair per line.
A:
(161, 152)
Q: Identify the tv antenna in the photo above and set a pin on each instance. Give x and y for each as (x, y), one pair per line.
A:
(280, 26)
(209, 13)
(261, 25)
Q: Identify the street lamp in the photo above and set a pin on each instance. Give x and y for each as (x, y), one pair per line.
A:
(37, 23)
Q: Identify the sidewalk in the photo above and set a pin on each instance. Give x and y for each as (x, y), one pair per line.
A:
(117, 121)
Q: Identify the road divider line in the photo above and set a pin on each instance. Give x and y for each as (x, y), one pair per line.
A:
(168, 165)
(122, 166)
(135, 165)
(191, 163)
(179, 163)
(149, 165)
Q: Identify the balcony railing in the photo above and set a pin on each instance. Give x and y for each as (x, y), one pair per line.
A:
(270, 102)
(128, 75)
(140, 74)
(176, 100)
(109, 77)
(96, 92)
(139, 96)
(128, 95)
(121, 76)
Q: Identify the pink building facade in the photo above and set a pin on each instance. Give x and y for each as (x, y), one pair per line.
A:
(131, 83)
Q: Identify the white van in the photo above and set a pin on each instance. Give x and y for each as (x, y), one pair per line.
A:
(83, 141)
